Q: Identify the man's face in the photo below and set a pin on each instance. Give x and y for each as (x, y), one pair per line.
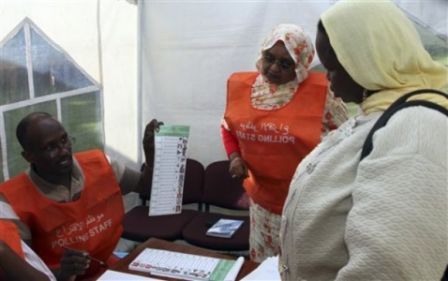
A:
(49, 148)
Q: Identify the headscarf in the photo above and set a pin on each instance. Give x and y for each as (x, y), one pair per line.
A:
(268, 96)
(381, 50)
(298, 44)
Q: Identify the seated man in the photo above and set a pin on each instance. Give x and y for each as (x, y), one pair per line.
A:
(17, 260)
(70, 208)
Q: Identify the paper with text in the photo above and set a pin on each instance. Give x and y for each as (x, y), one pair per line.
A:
(267, 270)
(169, 170)
(186, 266)
(111, 275)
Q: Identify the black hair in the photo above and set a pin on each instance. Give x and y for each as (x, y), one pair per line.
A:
(320, 27)
(24, 124)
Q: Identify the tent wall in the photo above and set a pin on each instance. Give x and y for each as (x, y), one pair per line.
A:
(173, 62)
(189, 48)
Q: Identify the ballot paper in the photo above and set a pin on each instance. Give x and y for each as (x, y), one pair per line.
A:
(169, 170)
(186, 266)
(267, 270)
(111, 275)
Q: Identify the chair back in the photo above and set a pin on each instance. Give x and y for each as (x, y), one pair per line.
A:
(193, 184)
(221, 190)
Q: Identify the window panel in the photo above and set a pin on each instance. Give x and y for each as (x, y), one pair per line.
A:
(82, 118)
(15, 160)
(52, 70)
(2, 177)
(13, 72)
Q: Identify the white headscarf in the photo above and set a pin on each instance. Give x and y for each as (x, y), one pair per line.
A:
(381, 50)
(298, 44)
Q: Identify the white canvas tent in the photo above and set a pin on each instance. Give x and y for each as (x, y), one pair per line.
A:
(169, 59)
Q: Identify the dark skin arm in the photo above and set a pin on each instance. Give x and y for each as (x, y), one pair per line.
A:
(16, 268)
(148, 148)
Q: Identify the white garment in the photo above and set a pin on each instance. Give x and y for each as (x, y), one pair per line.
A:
(6, 212)
(36, 262)
(384, 218)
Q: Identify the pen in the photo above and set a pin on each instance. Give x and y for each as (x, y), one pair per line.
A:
(100, 262)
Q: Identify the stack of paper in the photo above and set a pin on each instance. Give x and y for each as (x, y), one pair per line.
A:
(224, 228)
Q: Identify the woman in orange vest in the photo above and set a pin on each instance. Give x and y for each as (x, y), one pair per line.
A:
(274, 117)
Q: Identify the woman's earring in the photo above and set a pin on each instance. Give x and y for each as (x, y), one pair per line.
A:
(364, 94)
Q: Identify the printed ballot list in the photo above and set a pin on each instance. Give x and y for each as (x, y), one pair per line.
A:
(169, 170)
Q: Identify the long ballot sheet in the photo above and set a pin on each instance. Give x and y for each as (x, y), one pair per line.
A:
(169, 170)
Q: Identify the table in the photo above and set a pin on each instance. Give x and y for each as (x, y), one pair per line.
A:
(154, 243)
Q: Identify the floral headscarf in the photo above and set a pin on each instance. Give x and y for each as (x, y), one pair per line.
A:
(298, 44)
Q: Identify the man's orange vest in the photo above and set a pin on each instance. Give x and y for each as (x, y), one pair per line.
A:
(93, 223)
(273, 142)
(9, 233)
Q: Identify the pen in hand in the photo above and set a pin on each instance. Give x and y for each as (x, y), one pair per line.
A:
(100, 262)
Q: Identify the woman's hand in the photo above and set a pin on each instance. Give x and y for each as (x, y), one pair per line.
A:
(237, 167)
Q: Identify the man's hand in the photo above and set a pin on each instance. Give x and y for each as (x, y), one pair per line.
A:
(73, 263)
(148, 141)
(237, 168)
(144, 184)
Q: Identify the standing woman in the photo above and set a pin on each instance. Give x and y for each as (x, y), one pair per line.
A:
(383, 217)
(274, 117)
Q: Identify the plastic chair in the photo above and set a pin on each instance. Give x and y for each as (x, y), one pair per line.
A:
(138, 226)
(220, 190)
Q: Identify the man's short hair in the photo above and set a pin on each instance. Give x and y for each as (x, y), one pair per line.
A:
(24, 124)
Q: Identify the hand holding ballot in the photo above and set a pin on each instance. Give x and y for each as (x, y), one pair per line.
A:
(148, 140)
(148, 147)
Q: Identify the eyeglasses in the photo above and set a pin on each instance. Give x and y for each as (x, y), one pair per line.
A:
(64, 142)
(284, 64)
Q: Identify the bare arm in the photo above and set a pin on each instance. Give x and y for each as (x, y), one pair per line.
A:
(148, 147)
(16, 268)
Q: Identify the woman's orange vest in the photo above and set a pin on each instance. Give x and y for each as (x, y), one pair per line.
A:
(93, 223)
(273, 142)
(9, 233)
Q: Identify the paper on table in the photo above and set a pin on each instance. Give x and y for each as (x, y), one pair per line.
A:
(267, 270)
(109, 275)
(233, 273)
(169, 170)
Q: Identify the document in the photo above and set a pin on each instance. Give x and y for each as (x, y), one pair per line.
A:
(110, 275)
(169, 170)
(224, 228)
(186, 266)
(267, 270)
